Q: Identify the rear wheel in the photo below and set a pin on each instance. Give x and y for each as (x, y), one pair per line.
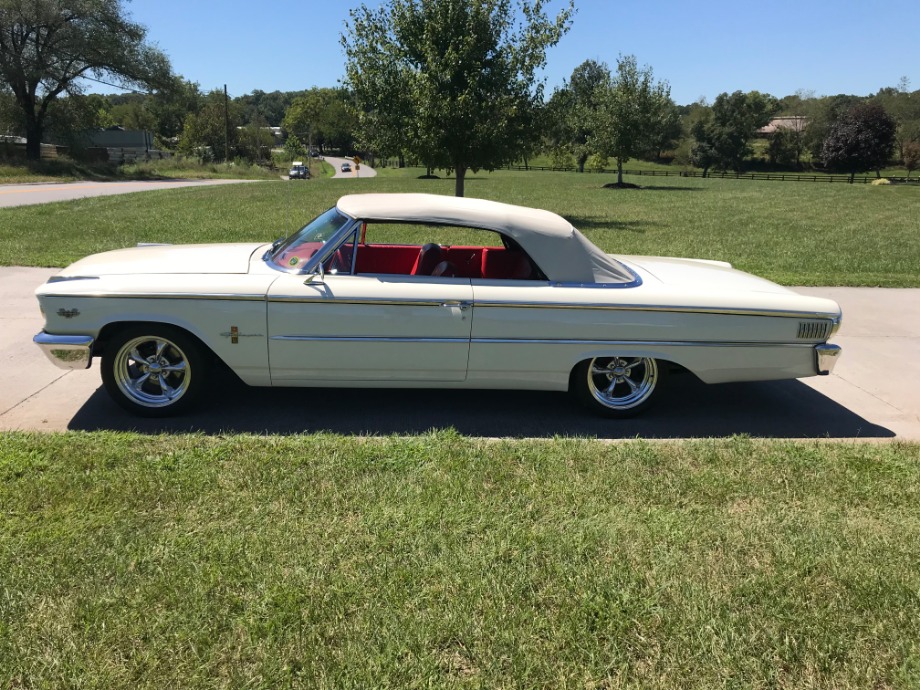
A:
(154, 370)
(617, 386)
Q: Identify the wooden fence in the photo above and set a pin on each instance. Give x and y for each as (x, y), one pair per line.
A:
(722, 175)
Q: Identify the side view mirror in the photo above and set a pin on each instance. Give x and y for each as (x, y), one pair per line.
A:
(318, 275)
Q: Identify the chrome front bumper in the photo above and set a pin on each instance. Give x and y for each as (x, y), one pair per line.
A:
(826, 357)
(66, 351)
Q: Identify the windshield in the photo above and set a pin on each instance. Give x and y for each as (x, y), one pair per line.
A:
(297, 249)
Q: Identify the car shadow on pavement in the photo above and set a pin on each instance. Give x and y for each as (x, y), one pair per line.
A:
(689, 409)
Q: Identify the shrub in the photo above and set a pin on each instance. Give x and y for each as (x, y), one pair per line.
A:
(561, 158)
(596, 163)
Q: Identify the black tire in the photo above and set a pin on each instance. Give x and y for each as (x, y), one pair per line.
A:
(618, 387)
(154, 370)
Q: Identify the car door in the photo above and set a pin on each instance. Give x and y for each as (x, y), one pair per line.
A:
(343, 329)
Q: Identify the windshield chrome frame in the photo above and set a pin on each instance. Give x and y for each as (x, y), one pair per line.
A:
(330, 246)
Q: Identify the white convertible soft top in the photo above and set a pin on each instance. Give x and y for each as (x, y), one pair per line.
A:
(561, 251)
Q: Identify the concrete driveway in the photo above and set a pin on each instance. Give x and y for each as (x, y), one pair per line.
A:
(874, 392)
(25, 194)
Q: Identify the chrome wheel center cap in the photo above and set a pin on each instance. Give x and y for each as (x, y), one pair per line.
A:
(619, 371)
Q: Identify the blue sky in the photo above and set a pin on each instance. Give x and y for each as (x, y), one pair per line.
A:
(701, 47)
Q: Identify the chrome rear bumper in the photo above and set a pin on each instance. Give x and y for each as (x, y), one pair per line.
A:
(66, 351)
(826, 357)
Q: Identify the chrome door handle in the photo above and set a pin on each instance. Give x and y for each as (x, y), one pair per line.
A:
(462, 306)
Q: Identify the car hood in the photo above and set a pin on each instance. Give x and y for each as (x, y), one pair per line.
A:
(700, 274)
(167, 259)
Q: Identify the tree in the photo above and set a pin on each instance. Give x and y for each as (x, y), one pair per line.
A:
(911, 156)
(205, 133)
(46, 46)
(572, 109)
(904, 107)
(667, 129)
(629, 108)
(826, 111)
(322, 117)
(860, 140)
(459, 76)
(726, 134)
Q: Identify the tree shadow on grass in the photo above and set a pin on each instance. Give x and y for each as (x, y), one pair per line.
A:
(601, 223)
(688, 409)
(659, 188)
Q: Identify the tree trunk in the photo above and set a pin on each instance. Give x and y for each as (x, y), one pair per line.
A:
(460, 179)
(852, 176)
(402, 161)
(619, 172)
(526, 165)
(33, 139)
(581, 160)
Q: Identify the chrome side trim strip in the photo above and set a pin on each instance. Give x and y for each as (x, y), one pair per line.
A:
(366, 339)
(634, 343)
(162, 295)
(663, 308)
(420, 303)
(600, 307)
(535, 341)
(365, 302)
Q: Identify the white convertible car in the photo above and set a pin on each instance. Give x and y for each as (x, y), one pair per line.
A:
(417, 290)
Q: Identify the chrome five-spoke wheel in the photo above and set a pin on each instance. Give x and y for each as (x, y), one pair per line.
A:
(617, 386)
(152, 371)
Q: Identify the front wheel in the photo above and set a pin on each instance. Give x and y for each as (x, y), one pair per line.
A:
(154, 370)
(617, 386)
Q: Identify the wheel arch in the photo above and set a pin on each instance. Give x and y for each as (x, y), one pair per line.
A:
(109, 330)
(665, 360)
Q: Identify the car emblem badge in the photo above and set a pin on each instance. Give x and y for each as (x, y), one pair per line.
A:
(68, 313)
(293, 261)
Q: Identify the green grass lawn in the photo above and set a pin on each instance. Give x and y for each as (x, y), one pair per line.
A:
(439, 561)
(67, 170)
(791, 232)
(436, 561)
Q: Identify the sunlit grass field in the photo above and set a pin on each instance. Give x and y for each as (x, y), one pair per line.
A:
(437, 561)
(442, 561)
(791, 232)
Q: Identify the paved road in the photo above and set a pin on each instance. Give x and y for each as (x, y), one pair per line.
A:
(24, 194)
(874, 392)
(336, 163)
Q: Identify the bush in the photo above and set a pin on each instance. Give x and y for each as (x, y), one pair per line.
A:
(561, 158)
(596, 163)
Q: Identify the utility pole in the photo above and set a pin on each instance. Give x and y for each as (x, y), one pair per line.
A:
(226, 127)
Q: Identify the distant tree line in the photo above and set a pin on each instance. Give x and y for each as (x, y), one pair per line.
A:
(445, 84)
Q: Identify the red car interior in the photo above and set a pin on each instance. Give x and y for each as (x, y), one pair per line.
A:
(432, 259)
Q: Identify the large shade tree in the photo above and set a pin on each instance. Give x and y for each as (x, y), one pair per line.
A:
(455, 80)
(723, 136)
(630, 108)
(862, 139)
(571, 110)
(46, 46)
(322, 117)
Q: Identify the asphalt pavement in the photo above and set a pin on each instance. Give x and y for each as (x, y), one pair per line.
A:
(40, 193)
(874, 392)
(360, 170)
